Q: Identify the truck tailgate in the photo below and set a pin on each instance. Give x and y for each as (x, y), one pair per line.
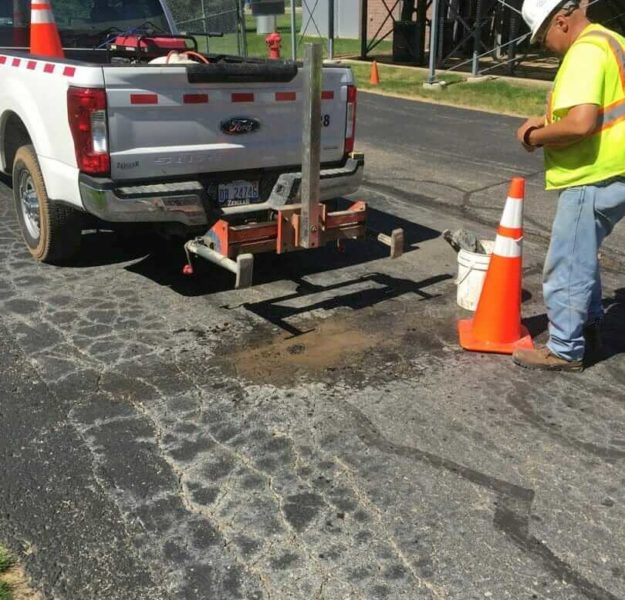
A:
(168, 121)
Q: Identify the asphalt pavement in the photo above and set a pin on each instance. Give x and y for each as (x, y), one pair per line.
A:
(320, 435)
(456, 162)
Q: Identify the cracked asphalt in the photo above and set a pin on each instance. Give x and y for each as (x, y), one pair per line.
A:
(320, 435)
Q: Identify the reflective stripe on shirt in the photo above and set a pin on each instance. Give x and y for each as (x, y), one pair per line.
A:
(613, 114)
(617, 50)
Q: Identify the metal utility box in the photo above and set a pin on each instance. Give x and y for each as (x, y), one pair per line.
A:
(261, 8)
(408, 43)
(347, 18)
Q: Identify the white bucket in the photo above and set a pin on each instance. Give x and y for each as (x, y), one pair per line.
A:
(472, 269)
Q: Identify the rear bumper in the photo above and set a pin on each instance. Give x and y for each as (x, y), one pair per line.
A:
(184, 201)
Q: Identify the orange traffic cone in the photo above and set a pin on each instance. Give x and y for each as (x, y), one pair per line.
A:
(496, 326)
(374, 78)
(44, 36)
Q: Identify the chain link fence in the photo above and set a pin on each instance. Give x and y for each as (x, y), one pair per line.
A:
(221, 21)
(309, 22)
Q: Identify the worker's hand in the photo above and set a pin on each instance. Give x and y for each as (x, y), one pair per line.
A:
(537, 122)
(532, 122)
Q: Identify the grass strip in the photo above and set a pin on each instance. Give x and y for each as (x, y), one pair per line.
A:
(342, 46)
(6, 562)
(5, 591)
(495, 95)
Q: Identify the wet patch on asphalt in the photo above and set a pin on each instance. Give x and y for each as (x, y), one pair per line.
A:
(395, 338)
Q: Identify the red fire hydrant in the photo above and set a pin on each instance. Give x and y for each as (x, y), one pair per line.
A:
(274, 43)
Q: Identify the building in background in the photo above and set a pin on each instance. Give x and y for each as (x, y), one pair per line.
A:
(378, 20)
(347, 18)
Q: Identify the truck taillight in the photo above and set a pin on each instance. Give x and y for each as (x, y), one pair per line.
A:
(86, 109)
(350, 124)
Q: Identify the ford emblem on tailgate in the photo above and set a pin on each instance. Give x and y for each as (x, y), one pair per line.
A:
(239, 125)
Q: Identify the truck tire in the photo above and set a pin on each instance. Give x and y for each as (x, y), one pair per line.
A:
(51, 231)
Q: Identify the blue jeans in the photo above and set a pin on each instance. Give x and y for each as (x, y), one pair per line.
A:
(571, 279)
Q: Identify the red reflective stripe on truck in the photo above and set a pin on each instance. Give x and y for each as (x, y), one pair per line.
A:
(327, 95)
(143, 99)
(242, 97)
(31, 65)
(286, 96)
(195, 98)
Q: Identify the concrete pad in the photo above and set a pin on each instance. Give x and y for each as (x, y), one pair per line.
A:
(436, 86)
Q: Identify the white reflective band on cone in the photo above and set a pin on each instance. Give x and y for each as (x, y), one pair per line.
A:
(512, 213)
(508, 247)
(41, 16)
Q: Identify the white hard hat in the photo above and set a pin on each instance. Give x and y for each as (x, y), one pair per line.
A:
(536, 12)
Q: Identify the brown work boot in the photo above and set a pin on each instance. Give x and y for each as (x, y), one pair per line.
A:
(542, 358)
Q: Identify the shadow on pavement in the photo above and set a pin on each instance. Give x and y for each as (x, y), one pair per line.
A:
(536, 325)
(163, 264)
(277, 310)
(101, 247)
(612, 332)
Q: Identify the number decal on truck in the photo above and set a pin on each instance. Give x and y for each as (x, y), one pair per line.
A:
(325, 120)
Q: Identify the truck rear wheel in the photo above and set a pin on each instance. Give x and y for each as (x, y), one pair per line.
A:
(51, 231)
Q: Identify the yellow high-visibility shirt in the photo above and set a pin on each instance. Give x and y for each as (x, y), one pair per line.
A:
(592, 72)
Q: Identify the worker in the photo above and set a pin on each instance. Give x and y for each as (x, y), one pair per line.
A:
(583, 137)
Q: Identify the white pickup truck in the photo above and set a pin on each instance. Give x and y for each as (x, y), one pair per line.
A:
(134, 126)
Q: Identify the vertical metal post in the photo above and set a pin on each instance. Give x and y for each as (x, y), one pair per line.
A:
(311, 148)
(204, 17)
(205, 26)
(421, 19)
(293, 33)
(240, 9)
(477, 39)
(512, 47)
(364, 19)
(241, 30)
(433, 42)
(330, 29)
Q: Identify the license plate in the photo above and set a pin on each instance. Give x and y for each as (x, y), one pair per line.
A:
(237, 193)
